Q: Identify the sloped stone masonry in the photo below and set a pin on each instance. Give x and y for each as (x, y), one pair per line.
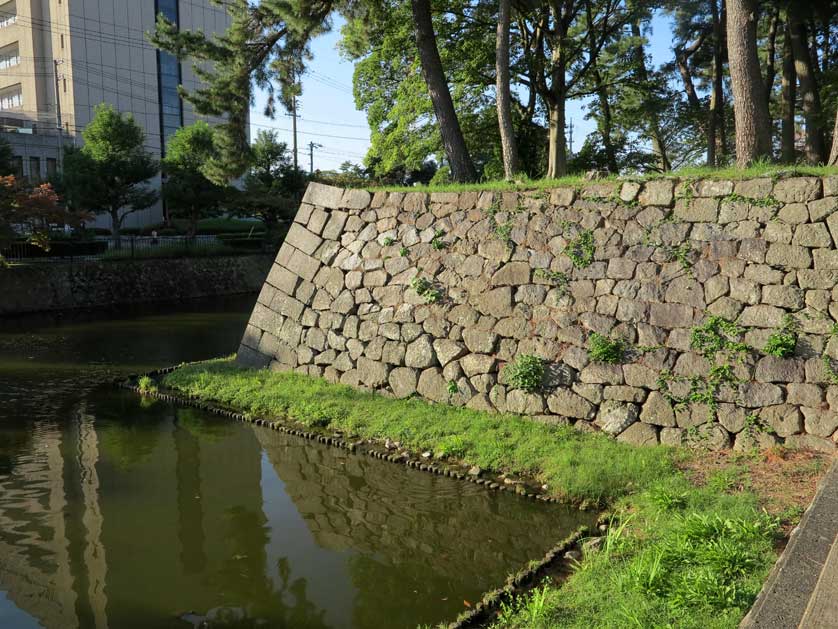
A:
(433, 294)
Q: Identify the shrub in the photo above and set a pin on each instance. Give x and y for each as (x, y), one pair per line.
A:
(147, 385)
(526, 373)
(602, 349)
(581, 250)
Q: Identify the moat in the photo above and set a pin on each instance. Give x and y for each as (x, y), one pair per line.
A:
(117, 511)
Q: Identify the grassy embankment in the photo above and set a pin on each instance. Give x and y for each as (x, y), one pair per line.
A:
(692, 172)
(691, 542)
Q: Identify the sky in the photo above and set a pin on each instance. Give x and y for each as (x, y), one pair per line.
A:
(327, 114)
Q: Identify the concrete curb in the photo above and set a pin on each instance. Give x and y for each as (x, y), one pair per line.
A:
(785, 596)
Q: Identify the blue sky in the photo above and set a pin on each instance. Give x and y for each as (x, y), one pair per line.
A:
(327, 114)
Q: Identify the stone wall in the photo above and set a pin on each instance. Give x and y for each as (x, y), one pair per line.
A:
(42, 287)
(434, 294)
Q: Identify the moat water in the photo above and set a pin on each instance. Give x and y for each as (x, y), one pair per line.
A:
(116, 511)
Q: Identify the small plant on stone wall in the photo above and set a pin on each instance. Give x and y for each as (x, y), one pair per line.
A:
(437, 242)
(581, 249)
(602, 349)
(766, 201)
(453, 389)
(388, 241)
(526, 372)
(718, 335)
(403, 252)
(783, 342)
(755, 425)
(425, 289)
(557, 278)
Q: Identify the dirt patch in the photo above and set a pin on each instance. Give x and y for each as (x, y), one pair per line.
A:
(784, 480)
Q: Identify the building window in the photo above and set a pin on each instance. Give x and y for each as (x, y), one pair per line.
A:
(34, 169)
(9, 56)
(8, 14)
(52, 167)
(65, 85)
(11, 97)
(168, 79)
(62, 39)
(17, 166)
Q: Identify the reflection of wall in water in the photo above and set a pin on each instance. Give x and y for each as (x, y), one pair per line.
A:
(355, 503)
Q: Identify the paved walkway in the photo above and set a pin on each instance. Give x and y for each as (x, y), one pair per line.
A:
(802, 589)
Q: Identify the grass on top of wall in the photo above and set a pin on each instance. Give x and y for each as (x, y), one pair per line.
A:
(682, 551)
(575, 181)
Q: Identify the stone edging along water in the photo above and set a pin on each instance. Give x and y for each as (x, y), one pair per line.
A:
(516, 583)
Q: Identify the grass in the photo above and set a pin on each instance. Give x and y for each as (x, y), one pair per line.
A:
(690, 542)
(575, 181)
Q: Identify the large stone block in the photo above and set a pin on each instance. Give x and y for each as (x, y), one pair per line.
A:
(323, 195)
(303, 239)
(797, 189)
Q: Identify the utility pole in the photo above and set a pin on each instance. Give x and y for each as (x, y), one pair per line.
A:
(58, 121)
(294, 127)
(571, 136)
(311, 147)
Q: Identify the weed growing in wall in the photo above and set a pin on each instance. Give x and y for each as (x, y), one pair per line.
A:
(425, 289)
(388, 241)
(437, 242)
(581, 249)
(526, 372)
(718, 335)
(403, 252)
(783, 342)
(602, 349)
(452, 387)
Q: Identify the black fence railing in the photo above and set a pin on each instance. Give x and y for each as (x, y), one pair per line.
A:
(134, 247)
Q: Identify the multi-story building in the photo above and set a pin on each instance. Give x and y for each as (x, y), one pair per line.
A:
(59, 59)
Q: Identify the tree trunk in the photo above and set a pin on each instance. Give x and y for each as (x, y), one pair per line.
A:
(753, 129)
(557, 152)
(833, 155)
(717, 94)
(504, 96)
(462, 168)
(116, 228)
(771, 53)
(652, 118)
(815, 144)
(788, 96)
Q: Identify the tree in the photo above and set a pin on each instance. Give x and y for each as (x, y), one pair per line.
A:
(504, 95)
(187, 190)
(753, 128)
(30, 212)
(109, 174)
(272, 186)
(805, 70)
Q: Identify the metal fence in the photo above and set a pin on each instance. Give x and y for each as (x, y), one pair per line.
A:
(132, 248)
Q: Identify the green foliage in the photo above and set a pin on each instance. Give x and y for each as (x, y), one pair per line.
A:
(110, 173)
(453, 389)
(526, 372)
(602, 349)
(187, 191)
(782, 343)
(403, 252)
(388, 241)
(272, 186)
(425, 289)
(147, 385)
(437, 242)
(717, 335)
(581, 249)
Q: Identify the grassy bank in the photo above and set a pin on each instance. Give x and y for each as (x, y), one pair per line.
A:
(692, 172)
(691, 543)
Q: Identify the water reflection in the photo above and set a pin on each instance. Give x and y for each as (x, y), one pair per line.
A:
(120, 512)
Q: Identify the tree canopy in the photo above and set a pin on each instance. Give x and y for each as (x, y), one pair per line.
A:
(776, 57)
